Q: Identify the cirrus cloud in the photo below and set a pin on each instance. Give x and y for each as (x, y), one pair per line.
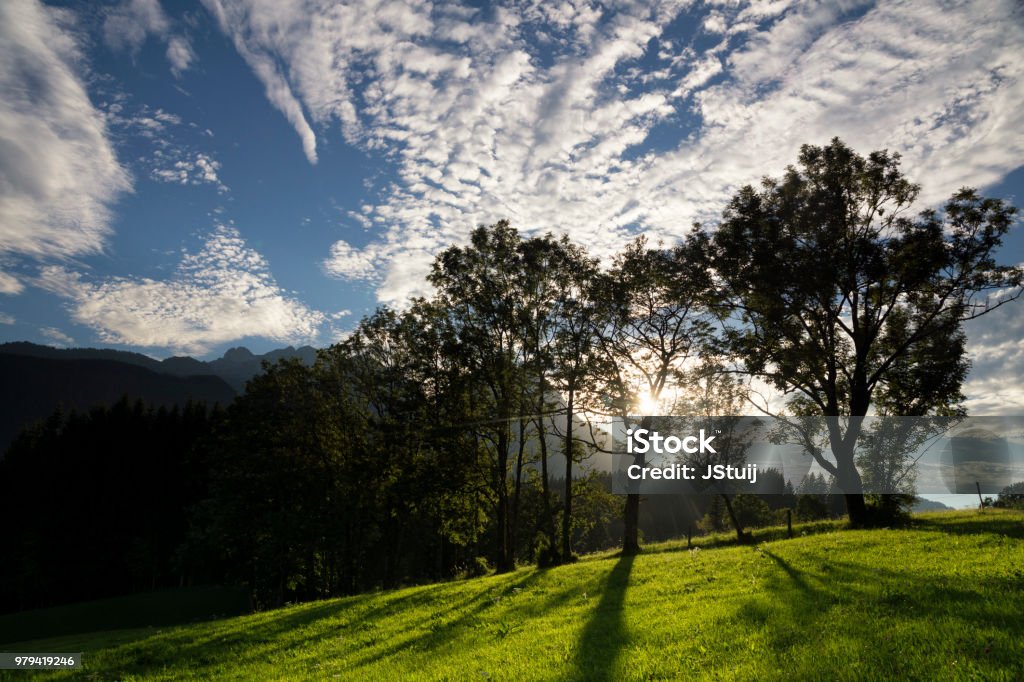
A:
(128, 24)
(59, 174)
(605, 122)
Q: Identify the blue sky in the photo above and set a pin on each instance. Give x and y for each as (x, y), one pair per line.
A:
(185, 177)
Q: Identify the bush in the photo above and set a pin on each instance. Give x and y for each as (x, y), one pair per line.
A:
(811, 508)
(1011, 497)
(474, 569)
(889, 510)
(751, 511)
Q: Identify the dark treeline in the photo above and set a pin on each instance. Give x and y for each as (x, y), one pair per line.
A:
(447, 438)
(96, 504)
(128, 498)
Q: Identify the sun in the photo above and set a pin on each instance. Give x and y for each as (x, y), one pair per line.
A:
(647, 404)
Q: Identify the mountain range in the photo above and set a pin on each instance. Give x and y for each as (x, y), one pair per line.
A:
(38, 379)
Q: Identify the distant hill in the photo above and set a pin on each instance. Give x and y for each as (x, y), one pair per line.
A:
(33, 387)
(239, 364)
(37, 379)
(236, 367)
(923, 505)
(37, 351)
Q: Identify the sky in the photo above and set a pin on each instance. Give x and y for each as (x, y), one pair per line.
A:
(181, 178)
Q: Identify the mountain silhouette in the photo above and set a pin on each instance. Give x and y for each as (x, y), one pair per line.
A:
(38, 379)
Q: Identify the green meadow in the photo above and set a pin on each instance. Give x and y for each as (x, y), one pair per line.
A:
(942, 599)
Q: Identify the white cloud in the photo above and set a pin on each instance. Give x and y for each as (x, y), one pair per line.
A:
(196, 169)
(9, 284)
(253, 39)
(764, 9)
(7, 319)
(995, 385)
(542, 114)
(56, 336)
(222, 293)
(347, 262)
(59, 174)
(715, 23)
(180, 54)
(170, 158)
(128, 24)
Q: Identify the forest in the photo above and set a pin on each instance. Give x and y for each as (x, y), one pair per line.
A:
(460, 434)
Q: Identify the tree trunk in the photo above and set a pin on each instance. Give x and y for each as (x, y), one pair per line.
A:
(631, 514)
(567, 501)
(856, 509)
(549, 518)
(514, 530)
(844, 450)
(631, 521)
(741, 536)
(505, 560)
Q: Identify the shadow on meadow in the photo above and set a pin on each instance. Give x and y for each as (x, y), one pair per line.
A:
(448, 624)
(452, 610)
(894, 623)
(756, 535)
(988, 522)
(807, 590)
(604, 636)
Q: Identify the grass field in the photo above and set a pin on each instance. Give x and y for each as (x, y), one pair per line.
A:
(941, 600)
(168, 607)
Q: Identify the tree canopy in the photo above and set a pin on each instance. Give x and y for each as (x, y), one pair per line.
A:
(841, 298)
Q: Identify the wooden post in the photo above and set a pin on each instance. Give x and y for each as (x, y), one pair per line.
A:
(981, 502)
(789, 522)
(689, 537)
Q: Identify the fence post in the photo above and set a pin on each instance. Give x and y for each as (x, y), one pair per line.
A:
(789, 522)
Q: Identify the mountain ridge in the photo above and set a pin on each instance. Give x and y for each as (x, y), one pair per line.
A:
(236, 366)
(40, 379)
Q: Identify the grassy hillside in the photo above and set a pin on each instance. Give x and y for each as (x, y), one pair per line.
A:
(943, 600)
(165, 607)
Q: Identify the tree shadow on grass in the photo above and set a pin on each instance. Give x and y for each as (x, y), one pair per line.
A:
(451, 623)
(604, 636)
(1008, 525)
(895, 623)
(263, 636)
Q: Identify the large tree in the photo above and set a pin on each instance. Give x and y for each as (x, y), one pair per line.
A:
(480, 287)
(655, 320)
(575, 359)
(843, 299)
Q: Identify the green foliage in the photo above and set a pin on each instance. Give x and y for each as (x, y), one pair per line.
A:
(423, 441)
(95, 504)
(839, 298)
(751, 511)
(716, 518)
(890, 510)
(478, 566)
(1011, 497)
(594, 510)
(811, 508)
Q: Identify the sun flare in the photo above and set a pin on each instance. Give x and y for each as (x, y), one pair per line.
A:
(647, 404)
